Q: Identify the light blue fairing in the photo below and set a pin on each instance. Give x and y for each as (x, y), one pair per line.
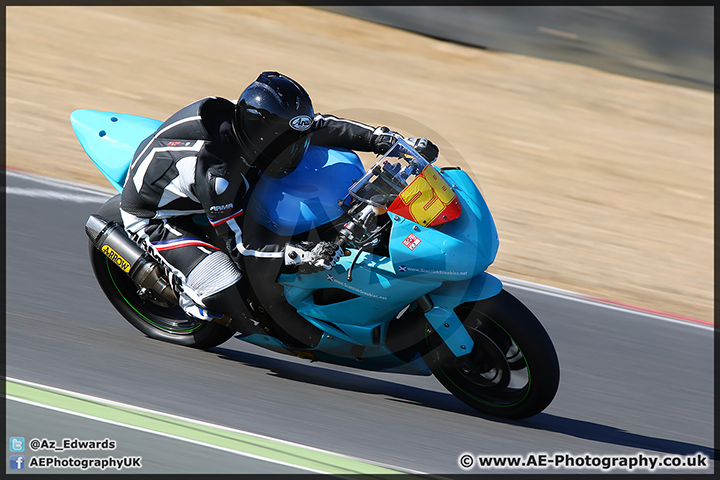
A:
(110, 140)
(448, 263)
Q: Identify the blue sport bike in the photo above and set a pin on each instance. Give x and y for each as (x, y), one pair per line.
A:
(411, 294)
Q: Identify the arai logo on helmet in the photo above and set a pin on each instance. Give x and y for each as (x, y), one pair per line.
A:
(301, 123)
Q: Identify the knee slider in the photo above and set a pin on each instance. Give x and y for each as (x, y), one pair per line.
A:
(224, 301)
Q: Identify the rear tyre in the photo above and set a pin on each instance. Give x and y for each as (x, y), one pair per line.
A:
(152, 317)
(512, 371)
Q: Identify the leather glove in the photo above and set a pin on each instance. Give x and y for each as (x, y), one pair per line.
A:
(383, 139)
(424, 147)
(325, 255)
(312, 257)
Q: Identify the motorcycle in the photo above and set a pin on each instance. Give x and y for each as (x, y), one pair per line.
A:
(411, 295)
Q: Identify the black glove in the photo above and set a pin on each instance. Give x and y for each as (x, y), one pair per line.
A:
(383, 140)
(424, 147)
(325, 255)
(312, 257)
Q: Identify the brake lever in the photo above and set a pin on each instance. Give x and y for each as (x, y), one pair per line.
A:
(372, 240)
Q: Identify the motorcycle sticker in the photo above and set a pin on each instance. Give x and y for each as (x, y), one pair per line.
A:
(406, 269)
(411, 241)
(428, 200)
(116, 258)
(301, 123)
(354, 289)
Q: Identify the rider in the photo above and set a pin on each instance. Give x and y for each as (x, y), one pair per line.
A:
(206, 159)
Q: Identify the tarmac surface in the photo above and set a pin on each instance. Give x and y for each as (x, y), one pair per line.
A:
(624, 392)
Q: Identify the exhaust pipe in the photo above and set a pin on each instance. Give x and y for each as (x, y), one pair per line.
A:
(112, 240)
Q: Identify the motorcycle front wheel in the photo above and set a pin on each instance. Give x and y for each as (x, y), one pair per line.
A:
(158, 321)
(512, 371)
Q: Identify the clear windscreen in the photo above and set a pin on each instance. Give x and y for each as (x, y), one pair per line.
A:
(404, 183)
(390, 175)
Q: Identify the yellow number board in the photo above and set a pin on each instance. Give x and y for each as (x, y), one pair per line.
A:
(429, 200)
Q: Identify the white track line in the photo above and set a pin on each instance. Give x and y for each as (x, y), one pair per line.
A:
(64, 184)
(135, 408)
(579, 297)
(54, 195)
(161, 434)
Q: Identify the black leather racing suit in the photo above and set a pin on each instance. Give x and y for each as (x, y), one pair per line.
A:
(193, 165)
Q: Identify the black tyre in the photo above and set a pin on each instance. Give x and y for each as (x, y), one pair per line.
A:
(153, 318)
(512, 371)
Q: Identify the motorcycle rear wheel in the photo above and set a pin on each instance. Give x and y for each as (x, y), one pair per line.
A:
(512, 371)
(169, 324)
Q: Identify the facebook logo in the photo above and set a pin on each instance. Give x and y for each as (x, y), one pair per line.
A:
(17, 444)
(17, 462)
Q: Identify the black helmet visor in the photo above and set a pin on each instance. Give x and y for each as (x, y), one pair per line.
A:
(280, 143)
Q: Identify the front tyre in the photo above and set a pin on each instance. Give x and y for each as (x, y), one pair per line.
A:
(158, 321)
(512, 371)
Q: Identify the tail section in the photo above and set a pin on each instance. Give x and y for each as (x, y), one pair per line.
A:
(110, 140)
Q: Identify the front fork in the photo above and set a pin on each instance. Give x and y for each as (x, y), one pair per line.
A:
(447, 324)
(438, 307)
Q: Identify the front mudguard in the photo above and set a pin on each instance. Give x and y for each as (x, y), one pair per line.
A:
(442, 316)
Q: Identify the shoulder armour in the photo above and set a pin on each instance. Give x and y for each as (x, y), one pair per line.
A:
(219, 184)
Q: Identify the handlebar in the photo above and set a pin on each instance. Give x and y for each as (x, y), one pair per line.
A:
(349, 234)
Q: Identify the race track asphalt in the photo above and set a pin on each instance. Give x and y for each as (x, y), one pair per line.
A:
(630, 382)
